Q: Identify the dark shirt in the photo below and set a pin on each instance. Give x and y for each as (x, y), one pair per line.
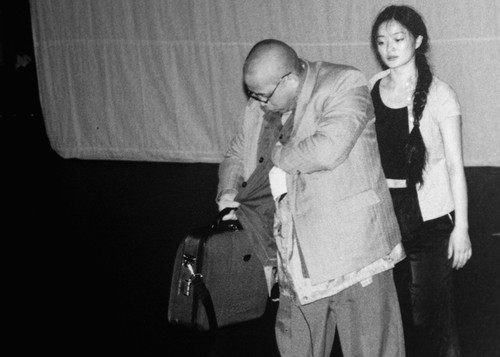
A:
(392, 134)
(256, 212)
(269, 135)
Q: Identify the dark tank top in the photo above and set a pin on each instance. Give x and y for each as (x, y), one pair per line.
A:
(392, 134)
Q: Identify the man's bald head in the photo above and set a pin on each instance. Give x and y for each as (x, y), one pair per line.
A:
(271, 59)
(273, 74)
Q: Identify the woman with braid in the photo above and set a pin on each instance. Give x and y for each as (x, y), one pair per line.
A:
(418, 128)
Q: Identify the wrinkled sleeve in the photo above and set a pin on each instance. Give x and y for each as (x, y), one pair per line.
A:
(231, 168)
(345, 112)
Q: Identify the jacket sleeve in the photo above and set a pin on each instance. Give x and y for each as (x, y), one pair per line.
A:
(345, 111)
(231, 169)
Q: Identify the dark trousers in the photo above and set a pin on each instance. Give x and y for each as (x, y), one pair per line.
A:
(424, 280)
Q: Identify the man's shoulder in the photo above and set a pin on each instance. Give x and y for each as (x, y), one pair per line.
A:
(335, 68)
(335, 72)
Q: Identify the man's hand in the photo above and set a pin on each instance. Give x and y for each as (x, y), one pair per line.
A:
(227, 200)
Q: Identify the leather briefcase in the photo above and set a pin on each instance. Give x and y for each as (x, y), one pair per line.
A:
(217, 279)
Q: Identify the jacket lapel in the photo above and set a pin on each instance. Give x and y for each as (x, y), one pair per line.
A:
(305, 95)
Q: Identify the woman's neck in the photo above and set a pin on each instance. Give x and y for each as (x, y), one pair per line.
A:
(404, 76)
(399, 87)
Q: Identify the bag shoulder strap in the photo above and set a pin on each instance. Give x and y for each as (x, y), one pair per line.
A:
(200, 289)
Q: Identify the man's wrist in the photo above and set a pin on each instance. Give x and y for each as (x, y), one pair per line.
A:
(227, 195)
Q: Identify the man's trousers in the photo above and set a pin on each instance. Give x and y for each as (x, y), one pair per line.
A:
(368, 320)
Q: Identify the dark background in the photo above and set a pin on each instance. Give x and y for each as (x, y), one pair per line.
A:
(90, 244)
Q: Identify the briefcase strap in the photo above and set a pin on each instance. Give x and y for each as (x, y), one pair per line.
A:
(192, 261)
(200, 289)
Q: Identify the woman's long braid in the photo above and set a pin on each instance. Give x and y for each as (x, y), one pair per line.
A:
(416, 153)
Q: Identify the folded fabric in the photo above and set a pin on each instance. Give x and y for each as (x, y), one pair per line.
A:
(277, 181)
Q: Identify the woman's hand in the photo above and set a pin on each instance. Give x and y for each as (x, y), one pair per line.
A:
(459, 247)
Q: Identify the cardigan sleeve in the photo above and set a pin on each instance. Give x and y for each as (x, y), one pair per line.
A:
(446, 102)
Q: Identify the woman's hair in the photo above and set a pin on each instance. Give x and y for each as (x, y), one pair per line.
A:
(416, 154)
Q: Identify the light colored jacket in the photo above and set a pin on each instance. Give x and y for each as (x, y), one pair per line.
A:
(339, 200)
(434, 196)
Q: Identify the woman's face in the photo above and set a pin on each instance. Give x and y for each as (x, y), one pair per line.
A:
(396, 45)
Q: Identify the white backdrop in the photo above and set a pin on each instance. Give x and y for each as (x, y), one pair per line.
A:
(160, 80)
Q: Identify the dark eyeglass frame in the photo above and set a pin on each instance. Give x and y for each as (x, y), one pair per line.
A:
(265, 98)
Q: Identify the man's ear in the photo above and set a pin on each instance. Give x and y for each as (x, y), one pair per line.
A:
(294, 78)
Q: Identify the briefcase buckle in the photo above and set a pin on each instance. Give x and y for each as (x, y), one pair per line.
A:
(188, 261)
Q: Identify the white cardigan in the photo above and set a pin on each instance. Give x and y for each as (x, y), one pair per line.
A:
(434, 196)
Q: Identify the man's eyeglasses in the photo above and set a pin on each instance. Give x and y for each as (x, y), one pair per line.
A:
(265, 98)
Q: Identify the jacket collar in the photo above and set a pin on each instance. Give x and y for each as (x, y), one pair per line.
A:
(311, 71)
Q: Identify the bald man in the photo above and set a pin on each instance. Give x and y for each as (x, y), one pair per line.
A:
(310, 127)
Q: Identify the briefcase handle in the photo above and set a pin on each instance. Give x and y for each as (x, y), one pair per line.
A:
(226, 226)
